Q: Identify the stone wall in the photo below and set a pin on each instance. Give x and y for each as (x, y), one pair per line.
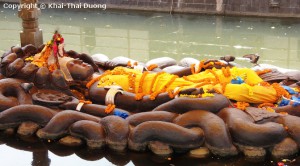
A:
(268, 8)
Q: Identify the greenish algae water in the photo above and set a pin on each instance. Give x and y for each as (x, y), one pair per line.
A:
(144, 36)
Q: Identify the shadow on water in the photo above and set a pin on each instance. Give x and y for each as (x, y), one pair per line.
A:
(41, 151)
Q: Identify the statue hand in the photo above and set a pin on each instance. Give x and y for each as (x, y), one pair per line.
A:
(191, 91)
(112, 64)
(210, 60)
(69, 104)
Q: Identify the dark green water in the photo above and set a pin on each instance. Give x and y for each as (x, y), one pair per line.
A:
(144, 36)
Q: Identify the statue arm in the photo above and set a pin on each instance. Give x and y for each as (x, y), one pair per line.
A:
(180, 72)
(126, 100)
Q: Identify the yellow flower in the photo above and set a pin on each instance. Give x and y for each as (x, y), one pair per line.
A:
(208, 95)
(29, 58)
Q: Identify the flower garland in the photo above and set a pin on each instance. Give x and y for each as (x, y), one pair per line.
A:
(196, 68)
(140, 90)
(280, 91)
(242, 105)
(85, 101)
(153, 95)
(199, 67)
(269, 109)
(199, 81)
(139, 96)
(90, 83)
(264, 83)
(226, 71)
(129, 63)
(164, 89)
(151, 67)
(223, 84)
(140, 93)
(172, 94)
(215, 75)
(261, 72)
(154, 80)
(131, 82)
(266, 105)
(109, 108)
(219, 63)
(52, 67)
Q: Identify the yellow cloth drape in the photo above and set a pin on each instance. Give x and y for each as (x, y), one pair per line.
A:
(250, 91)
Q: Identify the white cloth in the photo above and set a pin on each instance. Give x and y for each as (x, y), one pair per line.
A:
(63, 67)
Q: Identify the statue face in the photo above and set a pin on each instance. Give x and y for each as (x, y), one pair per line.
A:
(79, 70)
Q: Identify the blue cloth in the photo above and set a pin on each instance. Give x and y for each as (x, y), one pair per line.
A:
(120, 114)
(296, 101)
(295, 98)
(237, 80)
(289, 89)
(283, 102)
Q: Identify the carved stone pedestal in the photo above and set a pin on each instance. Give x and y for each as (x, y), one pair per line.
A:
(31, 34)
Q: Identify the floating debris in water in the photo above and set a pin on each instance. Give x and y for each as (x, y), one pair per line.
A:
(273, 27)
(241, 47)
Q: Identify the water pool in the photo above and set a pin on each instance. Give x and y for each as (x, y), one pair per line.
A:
(144, 36)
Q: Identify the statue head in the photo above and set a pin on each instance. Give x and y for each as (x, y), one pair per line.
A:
(79, 70)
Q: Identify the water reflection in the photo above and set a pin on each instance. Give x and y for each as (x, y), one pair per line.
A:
(145, 36)
(32, 151)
